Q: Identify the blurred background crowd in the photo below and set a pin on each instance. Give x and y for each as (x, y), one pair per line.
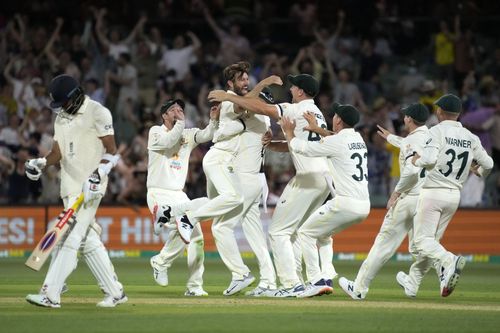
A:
(132, 56)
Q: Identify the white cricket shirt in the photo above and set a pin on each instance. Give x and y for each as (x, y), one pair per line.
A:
(412, 177)
(81, 149)
(448, 155)
(169, 153)
(305, 163)
(348, 155)
(227, 115)
(249, 158)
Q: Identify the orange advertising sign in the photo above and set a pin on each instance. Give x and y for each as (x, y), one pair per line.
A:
(126, 229)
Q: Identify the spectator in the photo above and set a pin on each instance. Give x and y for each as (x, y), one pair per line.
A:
(179, 59)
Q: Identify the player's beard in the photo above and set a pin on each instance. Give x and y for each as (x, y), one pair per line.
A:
(241, 91)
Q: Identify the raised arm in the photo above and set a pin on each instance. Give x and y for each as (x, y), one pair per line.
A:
(136, 30)
(211, 22)
(195, 40)
(99, 26)
(252, 104)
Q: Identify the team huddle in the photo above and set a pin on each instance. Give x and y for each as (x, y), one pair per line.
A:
(328, 193)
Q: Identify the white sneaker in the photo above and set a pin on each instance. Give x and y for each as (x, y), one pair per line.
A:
(161, 216)
(159, 273)
(41, 300)
(318, 288)
(110, 302)
(402, 279)
(196, 292)
(261, 292)
(290, 292)
(238, 285)
(185, 228)
(451, 275)
(348, 287)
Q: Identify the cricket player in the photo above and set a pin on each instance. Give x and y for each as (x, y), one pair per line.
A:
(84, 145)
(248, 163)
(306, 191)
(169, 147)
(398, 222)
(347, 153)
(447, 157)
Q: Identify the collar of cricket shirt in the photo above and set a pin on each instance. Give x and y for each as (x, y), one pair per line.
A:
(452, 123)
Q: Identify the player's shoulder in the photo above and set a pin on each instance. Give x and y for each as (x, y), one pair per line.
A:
(96, 107)
(155, 129)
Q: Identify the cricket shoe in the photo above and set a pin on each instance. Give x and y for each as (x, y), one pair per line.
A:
(64, 289)
(110, 302)
(451, 275)
(261, 292)
(185, 228)
(161, 216)
(290, 292)
(318, 288)
(42, 300)
(197, 292)
(238, 285)
(402, 279)
(159, 273)
(348, 287)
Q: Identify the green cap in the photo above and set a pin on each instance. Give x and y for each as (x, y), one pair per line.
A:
(449, 103)
(348, 113)
(305, 82)
(267, 95)
(417, 111)
(164, 108)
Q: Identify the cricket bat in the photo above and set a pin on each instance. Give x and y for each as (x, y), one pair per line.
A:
(53, 236)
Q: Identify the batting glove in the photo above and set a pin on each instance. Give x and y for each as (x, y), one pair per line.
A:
(92, 187)
(33, 168)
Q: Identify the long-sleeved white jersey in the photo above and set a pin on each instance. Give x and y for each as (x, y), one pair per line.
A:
(226, 137)
(448, 155)
(348, 155)
(169, 153)
(412, 177)
(249, 158)
(305, 163)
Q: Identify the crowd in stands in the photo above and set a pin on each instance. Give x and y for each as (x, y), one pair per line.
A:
(132, 57)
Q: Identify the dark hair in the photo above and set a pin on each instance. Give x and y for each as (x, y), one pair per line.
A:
(233, 71)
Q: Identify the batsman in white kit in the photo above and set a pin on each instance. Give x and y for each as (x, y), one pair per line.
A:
(398, 221)
(347, 153)
(448, 155)
(84, 145)
(169, 147)
(305, 192)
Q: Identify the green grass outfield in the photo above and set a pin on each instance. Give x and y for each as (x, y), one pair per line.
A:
(473, 307)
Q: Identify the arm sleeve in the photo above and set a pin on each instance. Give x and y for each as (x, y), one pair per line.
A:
(483, 159)
(103, 122)
(394, 140)
(430, 152)
(206, 134)
(321, 148)
(409, 177)
(230, 128)
(159, 139)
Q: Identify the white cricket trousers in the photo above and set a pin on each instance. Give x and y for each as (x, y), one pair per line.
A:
(249, 217)
(223, 187)
(331, 218)
(435, 208)
(94, 253)
(303, 194)
(398, 222)
(174, 246)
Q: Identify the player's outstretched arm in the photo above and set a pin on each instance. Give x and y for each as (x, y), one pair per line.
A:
(252, 104)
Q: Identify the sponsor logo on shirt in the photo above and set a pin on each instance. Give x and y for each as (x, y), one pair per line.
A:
(108, 127)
